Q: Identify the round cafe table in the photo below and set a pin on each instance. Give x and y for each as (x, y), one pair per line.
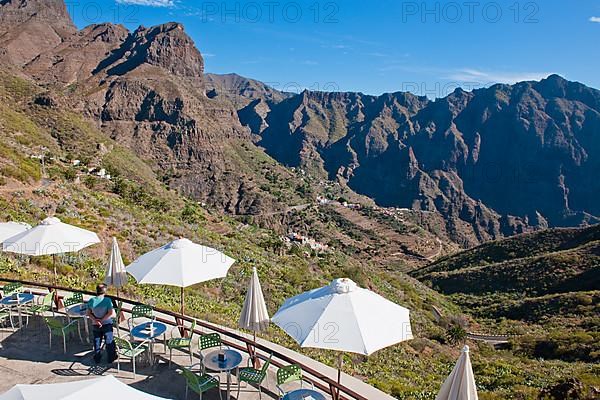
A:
(144, 332)
(233, 359)
(303, 394)
(17, 302)
(79, 311)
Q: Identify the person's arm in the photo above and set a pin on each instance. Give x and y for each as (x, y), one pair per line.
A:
(110, 313)
(91, 315)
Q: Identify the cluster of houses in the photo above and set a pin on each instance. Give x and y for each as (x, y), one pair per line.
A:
(296, 238)
(99, 172)
(321, 200)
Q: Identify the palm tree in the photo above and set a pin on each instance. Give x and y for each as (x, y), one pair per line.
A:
(456, 334)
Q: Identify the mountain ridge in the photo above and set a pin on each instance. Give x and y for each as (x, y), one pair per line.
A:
(493, 162)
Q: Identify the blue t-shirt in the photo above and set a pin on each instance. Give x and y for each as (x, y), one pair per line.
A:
(100, 306)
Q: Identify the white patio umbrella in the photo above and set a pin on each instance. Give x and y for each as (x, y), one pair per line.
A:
(254, 316)
(181, 263)
(10, 229)
(344, 317)
(115, 269)
(50, 237)
(460, 384)
(106, 387)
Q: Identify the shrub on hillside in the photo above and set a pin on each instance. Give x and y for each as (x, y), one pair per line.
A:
(566, 346)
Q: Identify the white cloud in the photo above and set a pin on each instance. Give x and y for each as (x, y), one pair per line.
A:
(149, 3)
(208, 55)
(489, 77)
(595, 19)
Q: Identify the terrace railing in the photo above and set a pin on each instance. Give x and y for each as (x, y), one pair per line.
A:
(229, 337)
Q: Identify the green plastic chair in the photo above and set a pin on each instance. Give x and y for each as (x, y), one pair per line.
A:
(181, 343)
(116, 320)
(289, 374)
(6, 315)
(142, 311)
(209, 341)
(199, 383)
(43, 307)
(12, 288)
(139, 311)
(57, 328)
(73, 299)
(254, 376)
(128, 350)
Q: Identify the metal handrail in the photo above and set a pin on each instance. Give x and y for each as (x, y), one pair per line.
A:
(324, 383)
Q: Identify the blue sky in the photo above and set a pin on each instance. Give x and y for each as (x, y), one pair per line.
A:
(426, 47)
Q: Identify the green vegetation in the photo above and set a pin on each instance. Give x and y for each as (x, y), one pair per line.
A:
(542, 287)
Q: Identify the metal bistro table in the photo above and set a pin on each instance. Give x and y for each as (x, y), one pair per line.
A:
(149, 331)
(303, 394)
(79, 311)
(18, 301)
(233, 359)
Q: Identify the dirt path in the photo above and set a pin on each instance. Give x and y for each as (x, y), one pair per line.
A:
(288, 210)
(13, 186)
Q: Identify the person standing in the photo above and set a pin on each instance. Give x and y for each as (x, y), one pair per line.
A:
(101, 312)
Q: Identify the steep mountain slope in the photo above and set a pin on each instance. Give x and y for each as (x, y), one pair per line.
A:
(146, 90)
(28, 28)
(518, 247)
(503, 159)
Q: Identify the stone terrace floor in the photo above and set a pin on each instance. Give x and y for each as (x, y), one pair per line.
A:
(25, 358)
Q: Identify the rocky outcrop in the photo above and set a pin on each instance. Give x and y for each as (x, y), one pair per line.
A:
(31, 27)
(76, 58)
(165, 46)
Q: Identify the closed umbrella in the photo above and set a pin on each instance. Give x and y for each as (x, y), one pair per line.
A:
(50, 237)
(106, 387)
(10, 229)
(344, 317)
(115, 269)
(460, 384)
(181, 263)
(255, 316)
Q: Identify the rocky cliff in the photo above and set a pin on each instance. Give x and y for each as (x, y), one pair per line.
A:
(504, 159)
(28, 28)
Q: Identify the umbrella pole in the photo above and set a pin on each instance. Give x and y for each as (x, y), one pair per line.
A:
(182, 302)
(54, 265)
(180, 321)
(254, 355)
(340, 365)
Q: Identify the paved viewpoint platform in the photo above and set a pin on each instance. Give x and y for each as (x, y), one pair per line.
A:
(25, 358)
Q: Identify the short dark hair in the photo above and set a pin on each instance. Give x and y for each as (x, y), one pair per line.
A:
(101, 289)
